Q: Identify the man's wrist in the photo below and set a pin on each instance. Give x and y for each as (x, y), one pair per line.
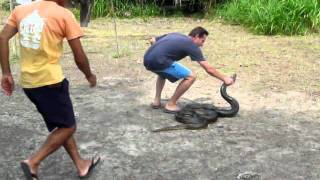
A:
(223, 79)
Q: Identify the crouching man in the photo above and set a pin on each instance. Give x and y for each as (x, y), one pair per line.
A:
(161, 58)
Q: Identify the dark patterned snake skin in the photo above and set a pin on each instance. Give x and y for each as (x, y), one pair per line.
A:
(199, 116)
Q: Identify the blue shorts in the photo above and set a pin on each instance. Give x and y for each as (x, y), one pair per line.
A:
(175, 72)
(54, 104)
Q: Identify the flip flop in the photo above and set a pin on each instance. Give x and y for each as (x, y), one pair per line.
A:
(170, 111)
(94, 163)
(27, 172)
(155, 106)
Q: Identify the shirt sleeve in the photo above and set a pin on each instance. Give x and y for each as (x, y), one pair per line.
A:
(12, 19)
(73, 29)
(195, 53)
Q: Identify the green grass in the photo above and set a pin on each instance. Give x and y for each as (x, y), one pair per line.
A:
(270, 17)
(124, 8)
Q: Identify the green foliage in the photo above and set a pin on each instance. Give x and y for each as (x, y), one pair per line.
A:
(124, 8)
(271, 17)
(76, 12)
(5, 5)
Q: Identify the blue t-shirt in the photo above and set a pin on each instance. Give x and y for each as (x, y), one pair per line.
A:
(169, 48)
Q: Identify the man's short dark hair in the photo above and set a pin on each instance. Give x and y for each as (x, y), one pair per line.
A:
(200, 31)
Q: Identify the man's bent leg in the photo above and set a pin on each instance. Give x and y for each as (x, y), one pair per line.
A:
(180, 90)
(54, 141)
(72, 149)
(173, 73)
(159, 87)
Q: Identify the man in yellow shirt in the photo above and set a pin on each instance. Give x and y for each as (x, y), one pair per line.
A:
(42, 26)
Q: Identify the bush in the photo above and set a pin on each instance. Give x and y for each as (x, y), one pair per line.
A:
(76, 13)
(272, 17)
(5, 5)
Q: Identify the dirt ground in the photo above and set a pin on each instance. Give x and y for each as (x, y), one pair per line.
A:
(275, 135)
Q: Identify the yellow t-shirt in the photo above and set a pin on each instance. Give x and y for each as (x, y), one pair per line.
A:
(42, 27)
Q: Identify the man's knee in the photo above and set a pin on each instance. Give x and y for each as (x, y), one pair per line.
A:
(71, 130)
(192, 77)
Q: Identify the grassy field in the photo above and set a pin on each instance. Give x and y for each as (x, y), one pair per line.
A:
(275, 63)
(290, 17)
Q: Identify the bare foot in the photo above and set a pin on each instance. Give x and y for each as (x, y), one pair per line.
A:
(87, 166)
(84, 167)
(172, 107)
(33, 168)
(29, 170)
(156, 104)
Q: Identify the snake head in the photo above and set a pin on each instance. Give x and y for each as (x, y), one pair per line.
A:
(234, 77)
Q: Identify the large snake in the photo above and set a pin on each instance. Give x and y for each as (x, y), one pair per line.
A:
(199, 116)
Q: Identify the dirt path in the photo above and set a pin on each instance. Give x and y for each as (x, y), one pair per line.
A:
(275, 136)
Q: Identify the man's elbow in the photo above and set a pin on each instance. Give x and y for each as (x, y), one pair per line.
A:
(80, 60)
(2, 39)
(209, 70)
(152, 40)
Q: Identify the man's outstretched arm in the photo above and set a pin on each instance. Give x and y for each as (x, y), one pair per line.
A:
(214, 72)
(82, 60)
(7, 82)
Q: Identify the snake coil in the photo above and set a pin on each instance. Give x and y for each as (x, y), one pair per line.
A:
(199, 116)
